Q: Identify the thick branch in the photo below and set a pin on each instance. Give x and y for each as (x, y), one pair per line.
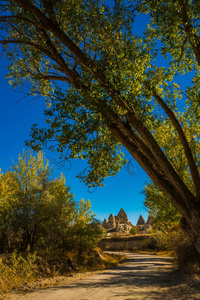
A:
(148, 155)
(122, 133)
(55, 77)
(73, 76)
(162, 161)
(184, 142)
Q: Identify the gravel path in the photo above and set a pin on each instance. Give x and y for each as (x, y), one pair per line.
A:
(141, 277)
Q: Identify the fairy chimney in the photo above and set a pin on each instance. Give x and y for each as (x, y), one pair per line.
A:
(111, 221)
(105, 223)
(141, 221)
(150, 220)
(122, 217)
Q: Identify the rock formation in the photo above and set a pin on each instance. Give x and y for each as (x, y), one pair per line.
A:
(119, 223)
(122, 225)
(105, 223)
(150, 220)
(122, 217)
(111, 221)
(141, 221)
(143, 226)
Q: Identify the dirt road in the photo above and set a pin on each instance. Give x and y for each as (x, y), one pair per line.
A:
(142, 277)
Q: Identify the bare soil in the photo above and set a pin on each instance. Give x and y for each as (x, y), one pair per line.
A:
(141, 277)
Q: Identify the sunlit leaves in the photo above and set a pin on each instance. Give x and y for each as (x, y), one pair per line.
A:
(34, 209)
(90, 47)
(174, 23)
(159, 206)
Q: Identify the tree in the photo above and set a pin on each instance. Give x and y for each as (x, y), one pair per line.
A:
(112, 84)
(38, 211)
(26, 207)
(164, 213)
(86, 231)
(159, 206)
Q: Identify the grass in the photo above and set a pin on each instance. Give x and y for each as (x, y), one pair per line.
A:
(15, 270)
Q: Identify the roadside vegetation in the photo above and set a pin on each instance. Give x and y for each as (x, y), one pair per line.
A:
(175, 243)
(44, 232)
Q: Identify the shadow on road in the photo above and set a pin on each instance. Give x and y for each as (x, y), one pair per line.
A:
(138, 273)
(141, 277)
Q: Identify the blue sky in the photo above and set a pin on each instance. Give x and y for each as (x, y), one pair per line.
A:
(16, 118)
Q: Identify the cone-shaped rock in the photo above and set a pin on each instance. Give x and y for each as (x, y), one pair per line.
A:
(141, 221)
(105, 223)
(111, 221)
(122, 216)
(150, 220)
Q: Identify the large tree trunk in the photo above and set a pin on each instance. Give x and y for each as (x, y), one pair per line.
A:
(173, 187)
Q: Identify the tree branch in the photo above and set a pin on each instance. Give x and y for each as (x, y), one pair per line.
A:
(184, 142)
(63, 38)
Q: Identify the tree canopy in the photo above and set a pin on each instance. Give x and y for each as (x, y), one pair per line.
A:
(159, 206)
(107, 87)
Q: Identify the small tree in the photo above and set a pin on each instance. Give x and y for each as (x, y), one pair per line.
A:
(86, 230)
(35, 210)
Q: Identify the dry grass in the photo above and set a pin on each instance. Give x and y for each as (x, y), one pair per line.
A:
(15, 270)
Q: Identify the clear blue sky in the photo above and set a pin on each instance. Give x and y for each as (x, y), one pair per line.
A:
(16, 118)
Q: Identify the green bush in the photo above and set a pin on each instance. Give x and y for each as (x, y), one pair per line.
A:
(16, 270)
(134, 231)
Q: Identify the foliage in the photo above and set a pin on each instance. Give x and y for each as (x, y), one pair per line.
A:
(40, 212)
(85, 233)
(164, 213)
(176, 244)
(96, 260)
(158, 205)
(134, 231)
(17, 270)
(118, 88)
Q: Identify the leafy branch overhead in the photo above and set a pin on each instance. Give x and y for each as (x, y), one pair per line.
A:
(107, 87)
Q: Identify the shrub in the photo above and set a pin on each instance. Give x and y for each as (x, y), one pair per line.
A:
(15, 270)
(134, 231)
(187, 258)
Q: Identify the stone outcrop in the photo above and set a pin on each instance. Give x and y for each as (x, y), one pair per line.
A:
(122, 217)
(144, 227)
(105, 223)
(111, 221)
(141, 221)
(150, 220)
(119, 223)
